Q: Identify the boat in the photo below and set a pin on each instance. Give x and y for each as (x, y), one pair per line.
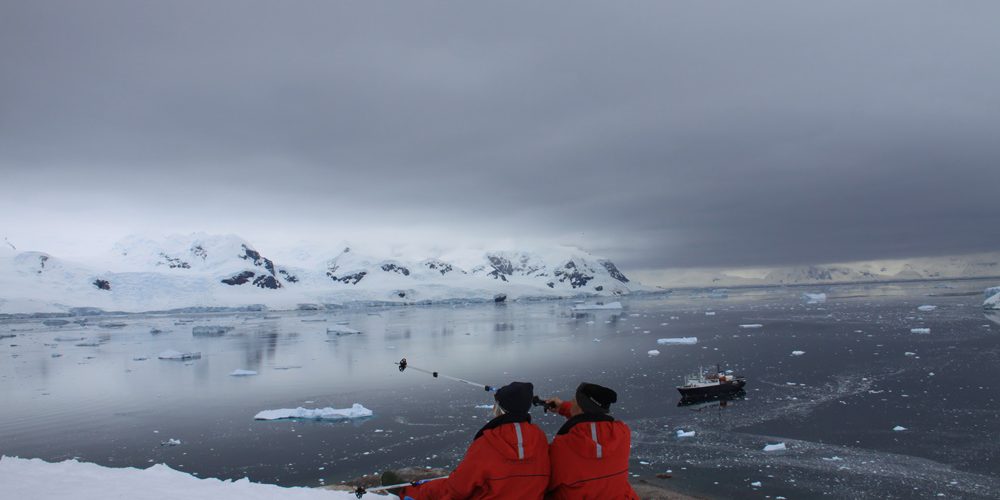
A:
(703, 385)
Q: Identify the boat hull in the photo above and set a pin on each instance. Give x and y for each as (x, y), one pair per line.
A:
(712, 391)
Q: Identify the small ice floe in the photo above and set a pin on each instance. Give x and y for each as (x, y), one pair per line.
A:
(591, 322)
(920, 330)
(775, 447)
(597, 340)
(834, 458)
(926, 308)
(798, 353)
(69, 339)
(681, 433)
(678, 341)
(814, 298)
(242, 373)
(171, 442)
(342, 330)
(908, 353)
(755, 484)
(210, 330)
(484, 407)
(355, 411)
(709, 313)
(653, 352)
(172, 354)
(752, 325)
(598, 306)
(899, 428)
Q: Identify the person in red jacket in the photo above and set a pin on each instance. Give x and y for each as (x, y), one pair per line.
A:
(508, 458)
(590, 452)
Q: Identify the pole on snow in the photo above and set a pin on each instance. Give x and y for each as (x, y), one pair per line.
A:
(361, 490)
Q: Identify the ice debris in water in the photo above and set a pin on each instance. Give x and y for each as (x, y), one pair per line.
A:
(709, 313)
(681, 433)
(653, 352)
(899, 428)
(172, 354)
(342, 330)
(171, 442)
(678, 341)
(485, 407)
(798, 353)
(242, 373)
(775, 447)
(355, 411)
(752, 325)
(755, 484)
(920, 330)
(926, 308)
(814, 298)
(210, 331)
(588, 307)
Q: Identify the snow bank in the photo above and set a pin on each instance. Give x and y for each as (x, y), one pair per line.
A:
(40, 480)
(589, 307)
(172, 354)
(678, 341)
(355, 411)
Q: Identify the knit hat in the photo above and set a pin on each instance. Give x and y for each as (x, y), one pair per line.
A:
(515, 397)
(593, 398)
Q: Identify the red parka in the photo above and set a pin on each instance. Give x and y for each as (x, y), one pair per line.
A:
(508, 459)
(590, 458)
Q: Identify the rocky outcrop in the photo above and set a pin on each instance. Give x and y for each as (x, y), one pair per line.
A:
(255, 257)
(172, 262)
(613, 270)
(576, 277)
(102, 284)
(239, 279)
(391, 267)
(350, 278)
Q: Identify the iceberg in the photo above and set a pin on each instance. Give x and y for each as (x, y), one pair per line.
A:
(599, 306)
(899, 428)
(355, 411)
(814, 298)
(798, 353)
(678, 341)
(172, 354)
(754, 325)
(926, 308)
(653, 352)
(342, 330)
(920, 330)
(775, 447)
(681, 433)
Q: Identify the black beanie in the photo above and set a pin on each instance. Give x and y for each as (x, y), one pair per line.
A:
(515, 397)
(594, 398)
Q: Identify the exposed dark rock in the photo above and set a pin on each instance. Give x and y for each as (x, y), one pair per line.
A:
(599, 288)
(199, 251)
(500, 297)
(500, 265)
(394, 268)
(289, 277)
(442, 267)
(613, 271)
(255, 257)
(569, 271)
(352, 278)
(496, 274)
(401, 294)
(102, 284)
(239, 279)
(551, 284)
(173, 262)
(267, 282)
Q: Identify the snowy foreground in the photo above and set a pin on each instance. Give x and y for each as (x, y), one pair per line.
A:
(39, 480)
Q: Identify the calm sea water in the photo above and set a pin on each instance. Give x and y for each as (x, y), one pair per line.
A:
(835, 406)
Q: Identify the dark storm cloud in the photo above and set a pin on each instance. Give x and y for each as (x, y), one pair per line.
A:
(661, 134)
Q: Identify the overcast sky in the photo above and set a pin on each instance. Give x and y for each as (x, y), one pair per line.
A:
(660, 134)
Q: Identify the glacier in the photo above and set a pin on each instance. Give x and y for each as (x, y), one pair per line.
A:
(227, 272)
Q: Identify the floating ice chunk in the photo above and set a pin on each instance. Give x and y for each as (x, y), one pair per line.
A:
(342, 330)
(653, 352)
(681, 433)
(210, 330)
(172, 354)
(56, 355)
(355, 411)
(485, 407)
(752, 325)
(834, 458)
(899, 428)
(589, 307)
(798, 353)
(242, 373)
(927, 308)
(709, 313)
(814, 298)
(755, 484)
(597, 340)
(908, 353)
(775, 447)
(171, 442)
(678, 341)
(88, 344)
(920, 330)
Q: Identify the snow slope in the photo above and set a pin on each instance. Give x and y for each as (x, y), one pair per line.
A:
(202, 270)
(39, 480)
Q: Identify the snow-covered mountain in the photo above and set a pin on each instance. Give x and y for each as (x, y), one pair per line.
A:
(202, 270)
